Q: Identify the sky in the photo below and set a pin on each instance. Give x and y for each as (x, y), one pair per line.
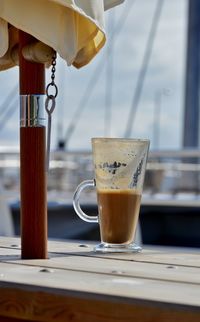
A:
(115, 70)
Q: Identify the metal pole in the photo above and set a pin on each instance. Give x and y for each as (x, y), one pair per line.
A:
(156, 121)
(192, 81)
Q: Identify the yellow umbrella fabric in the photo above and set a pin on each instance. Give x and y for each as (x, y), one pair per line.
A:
(74, 28)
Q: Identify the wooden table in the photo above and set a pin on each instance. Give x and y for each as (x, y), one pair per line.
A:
(74, 284)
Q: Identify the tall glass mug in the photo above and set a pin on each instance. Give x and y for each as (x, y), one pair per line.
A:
(119, 175)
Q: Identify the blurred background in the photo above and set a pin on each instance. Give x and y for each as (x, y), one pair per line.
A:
(143, 84)
(145, 53)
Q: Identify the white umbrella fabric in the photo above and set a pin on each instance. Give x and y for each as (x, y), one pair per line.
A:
(73, 28)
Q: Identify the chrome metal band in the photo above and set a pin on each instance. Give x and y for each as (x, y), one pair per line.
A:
(32, 110)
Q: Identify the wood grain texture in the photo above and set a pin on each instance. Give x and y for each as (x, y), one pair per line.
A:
(7, 319)
(32, 168)
(110, 285)
(77, 263)
(40, 306)
(32, 75)
(33, 192)
(76, 286)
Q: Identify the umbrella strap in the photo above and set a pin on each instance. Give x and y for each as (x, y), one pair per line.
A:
(50, 104)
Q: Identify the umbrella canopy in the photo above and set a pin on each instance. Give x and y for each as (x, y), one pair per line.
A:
(73, 28)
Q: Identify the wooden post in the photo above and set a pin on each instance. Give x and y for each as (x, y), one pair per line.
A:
(32, 161)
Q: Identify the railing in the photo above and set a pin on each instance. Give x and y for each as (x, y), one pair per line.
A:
(168, 171)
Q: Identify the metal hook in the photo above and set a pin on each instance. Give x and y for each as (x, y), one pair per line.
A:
(53, 104)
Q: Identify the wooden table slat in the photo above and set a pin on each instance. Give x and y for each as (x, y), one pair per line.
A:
(74, 284)
(61, 281)
(135, 269)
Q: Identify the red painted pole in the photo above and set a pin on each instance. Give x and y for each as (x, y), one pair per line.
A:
(32, 157)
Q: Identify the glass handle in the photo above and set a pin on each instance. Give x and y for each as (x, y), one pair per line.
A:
(76, 204)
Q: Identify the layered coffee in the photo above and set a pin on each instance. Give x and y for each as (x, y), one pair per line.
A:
(118, 214)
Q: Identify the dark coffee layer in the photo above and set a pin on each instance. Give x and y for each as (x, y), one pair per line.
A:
(118, 215)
